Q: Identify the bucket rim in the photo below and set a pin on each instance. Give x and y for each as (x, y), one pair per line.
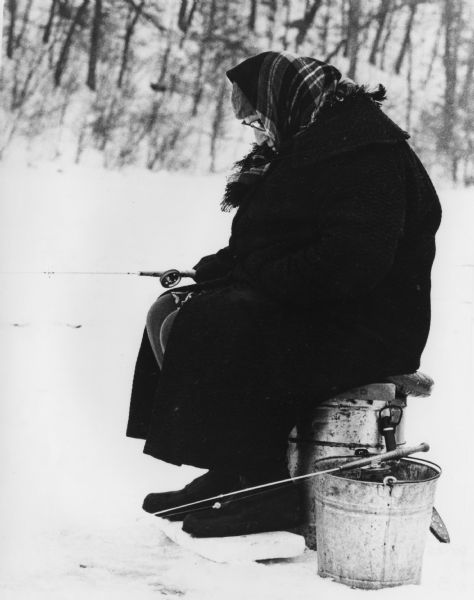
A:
(422, 461)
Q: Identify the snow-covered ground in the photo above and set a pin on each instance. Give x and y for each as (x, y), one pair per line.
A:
(72, 484)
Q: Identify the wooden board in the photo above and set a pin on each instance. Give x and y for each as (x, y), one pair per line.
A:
(236, 549)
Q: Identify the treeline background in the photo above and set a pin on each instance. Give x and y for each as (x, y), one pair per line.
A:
(142, 82)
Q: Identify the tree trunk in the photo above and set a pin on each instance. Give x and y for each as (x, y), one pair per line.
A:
(450, 19)
(306, 22)
(387, 36)
(381, 18)
(49, 24)
(217, 125)
(183, 9)
(94, 45)
(160, 84)
(467, 90)
(284, 38)
(323, 40)
(203, 53)
(353, 36)
(126, 43)
(272, 10)
(345, 26)
(252, 15)
(198, 84)
(191, 15)
(406, 37)
(434, 53)
(409, 104)
(63, 55)
(24, 24)
(12, 8)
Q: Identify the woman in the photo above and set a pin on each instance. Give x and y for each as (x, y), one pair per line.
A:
(325, 285)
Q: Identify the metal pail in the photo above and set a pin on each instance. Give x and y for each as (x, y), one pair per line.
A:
(334, 428)
(372, 535)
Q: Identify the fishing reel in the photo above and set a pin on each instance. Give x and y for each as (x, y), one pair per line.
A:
(170, 278)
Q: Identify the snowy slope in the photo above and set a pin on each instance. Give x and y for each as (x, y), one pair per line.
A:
(72, 484)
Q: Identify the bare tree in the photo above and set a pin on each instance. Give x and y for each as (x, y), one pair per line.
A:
(12, 8)
(388, 34)
(410, 91)
(148, 16)
(252, 14)
(353, 36)
(467, 89)
(24, 24)
(185, 18)
(49, 24)
(406, 38)
(287, 23)
(434, 52)
(381, 19)
(451, 17)
(217, 124)
(323, 38)
(271, 20)
(304, 24)
(94, 45)
(130, 28)
(63, 56)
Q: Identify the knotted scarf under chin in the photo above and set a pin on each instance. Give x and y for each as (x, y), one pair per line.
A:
(247, 173)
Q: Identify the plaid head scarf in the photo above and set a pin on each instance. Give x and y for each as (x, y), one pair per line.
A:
(286, 92)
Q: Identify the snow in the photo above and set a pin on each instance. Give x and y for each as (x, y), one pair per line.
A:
(72, 484)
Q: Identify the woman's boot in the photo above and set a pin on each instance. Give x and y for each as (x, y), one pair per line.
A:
(269, 509)
(212, 483)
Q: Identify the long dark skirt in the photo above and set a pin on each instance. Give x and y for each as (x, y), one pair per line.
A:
(238, 372)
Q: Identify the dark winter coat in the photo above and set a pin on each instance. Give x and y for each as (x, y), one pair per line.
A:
(326, 285)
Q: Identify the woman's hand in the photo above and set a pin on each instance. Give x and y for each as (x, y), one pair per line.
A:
(214, 266)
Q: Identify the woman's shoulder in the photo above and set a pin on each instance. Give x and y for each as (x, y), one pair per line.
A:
(353, 124)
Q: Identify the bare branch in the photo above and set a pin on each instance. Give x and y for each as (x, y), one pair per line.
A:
(148, 16)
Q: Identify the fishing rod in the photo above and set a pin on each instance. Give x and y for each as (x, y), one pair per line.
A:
(168, 278)
(360, 462)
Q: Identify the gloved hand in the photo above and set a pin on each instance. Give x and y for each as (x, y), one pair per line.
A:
(214, 266)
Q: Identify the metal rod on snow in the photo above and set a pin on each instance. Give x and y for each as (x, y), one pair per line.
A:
(360, 462)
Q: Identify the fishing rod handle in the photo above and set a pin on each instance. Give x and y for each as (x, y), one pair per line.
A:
(169, 278)
(392, 455)
(188, 273)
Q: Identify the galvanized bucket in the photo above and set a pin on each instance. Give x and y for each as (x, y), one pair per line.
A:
(372, 535)
(334, 428)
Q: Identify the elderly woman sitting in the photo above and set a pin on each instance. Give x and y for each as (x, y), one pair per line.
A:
(324, 285)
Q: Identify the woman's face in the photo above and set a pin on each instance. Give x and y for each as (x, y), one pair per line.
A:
(244, 110)
(261, 137)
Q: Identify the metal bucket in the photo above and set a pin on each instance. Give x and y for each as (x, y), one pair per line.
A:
(343, 423)
(372, 535)
(334, 428)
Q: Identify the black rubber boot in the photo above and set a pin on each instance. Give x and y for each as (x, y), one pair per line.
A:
(212, 483)
(272, 510)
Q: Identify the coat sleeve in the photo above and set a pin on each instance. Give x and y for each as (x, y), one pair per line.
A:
(358, 234)
(214, 266)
